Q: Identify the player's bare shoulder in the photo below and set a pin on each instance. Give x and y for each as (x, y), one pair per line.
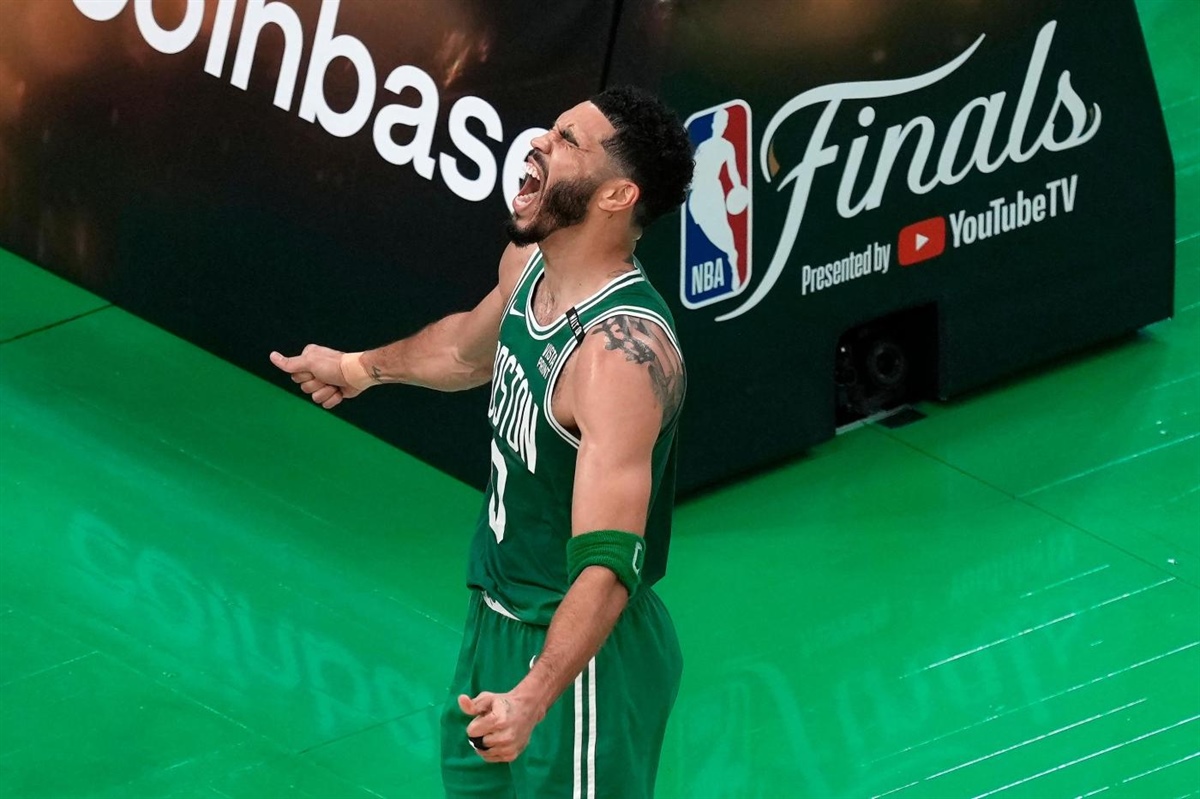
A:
(641, 345)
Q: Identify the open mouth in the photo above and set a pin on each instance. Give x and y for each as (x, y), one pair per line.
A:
(530, 187)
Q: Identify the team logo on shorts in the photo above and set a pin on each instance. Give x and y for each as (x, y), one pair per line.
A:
(715, 239)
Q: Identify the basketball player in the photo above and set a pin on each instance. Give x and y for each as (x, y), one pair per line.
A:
(569, 664)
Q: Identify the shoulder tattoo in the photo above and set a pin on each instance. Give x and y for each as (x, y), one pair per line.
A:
(642, 343)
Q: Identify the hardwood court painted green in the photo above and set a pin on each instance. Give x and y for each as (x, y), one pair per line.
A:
(211, 588)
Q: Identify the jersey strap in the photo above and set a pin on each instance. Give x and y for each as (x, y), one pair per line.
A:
(620, 310)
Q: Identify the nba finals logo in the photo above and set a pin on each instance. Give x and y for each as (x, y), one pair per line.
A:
(715, 239)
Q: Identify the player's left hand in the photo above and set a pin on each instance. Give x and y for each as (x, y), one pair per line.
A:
(503, 721)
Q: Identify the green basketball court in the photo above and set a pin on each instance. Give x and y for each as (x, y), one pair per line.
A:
(210, 587)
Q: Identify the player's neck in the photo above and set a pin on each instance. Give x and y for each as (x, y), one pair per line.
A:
(581, 259)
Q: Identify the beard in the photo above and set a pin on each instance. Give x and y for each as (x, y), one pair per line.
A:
(563, 205)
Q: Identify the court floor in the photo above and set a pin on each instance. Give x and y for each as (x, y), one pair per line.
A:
(210, 588)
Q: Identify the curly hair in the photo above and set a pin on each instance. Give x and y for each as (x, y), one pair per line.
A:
(651, 146)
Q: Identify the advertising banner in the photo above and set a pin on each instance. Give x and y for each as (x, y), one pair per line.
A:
(893, 201)
(938, 194)
(261, 174)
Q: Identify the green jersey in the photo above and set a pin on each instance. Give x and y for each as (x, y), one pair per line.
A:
(519, 552)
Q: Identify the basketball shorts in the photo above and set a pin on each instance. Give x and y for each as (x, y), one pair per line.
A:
(600, 740)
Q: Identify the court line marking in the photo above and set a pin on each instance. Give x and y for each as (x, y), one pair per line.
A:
(1183, 759)
(46, 669)
(1038, 701)
(894, 790)
(1118, 462)
(1037, 738)
(1007, 749)
(1087, 573)
(1078, 760)
(1073, 614)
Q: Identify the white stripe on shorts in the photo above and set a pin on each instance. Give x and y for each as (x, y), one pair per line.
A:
(577, 793)
(591, 758)
(585, 787)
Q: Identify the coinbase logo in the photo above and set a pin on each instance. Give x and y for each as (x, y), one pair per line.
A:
(716, 225)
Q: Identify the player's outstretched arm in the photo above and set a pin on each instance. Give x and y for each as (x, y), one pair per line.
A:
(625, 384)
(452, 354)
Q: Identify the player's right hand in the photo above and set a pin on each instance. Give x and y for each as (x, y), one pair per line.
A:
(318, 371)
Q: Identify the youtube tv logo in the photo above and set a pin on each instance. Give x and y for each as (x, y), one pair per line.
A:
(921, 241)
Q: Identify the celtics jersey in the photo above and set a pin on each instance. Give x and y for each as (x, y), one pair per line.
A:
(519, 552)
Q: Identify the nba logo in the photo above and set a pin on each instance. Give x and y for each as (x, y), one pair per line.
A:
(715, 240)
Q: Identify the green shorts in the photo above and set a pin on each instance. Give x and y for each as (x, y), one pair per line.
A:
(600, 740)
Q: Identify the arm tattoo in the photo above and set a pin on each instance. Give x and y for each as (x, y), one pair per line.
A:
(641, 344)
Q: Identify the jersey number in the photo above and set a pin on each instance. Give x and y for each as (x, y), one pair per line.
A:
(496, 503)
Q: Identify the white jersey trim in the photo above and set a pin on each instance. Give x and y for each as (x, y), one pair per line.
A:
(541, 333)
(496, 606)
(620, 310)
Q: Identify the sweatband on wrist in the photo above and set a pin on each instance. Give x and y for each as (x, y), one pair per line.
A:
(354, 372)
(622, 553)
